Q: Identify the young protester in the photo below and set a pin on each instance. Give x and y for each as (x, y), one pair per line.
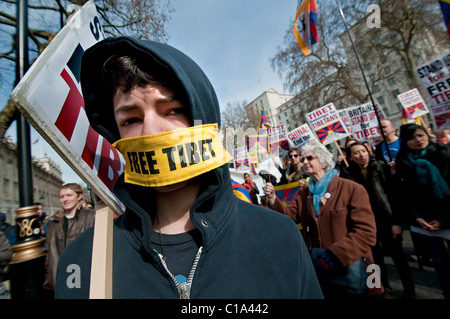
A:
(65, 226)
(184, 233)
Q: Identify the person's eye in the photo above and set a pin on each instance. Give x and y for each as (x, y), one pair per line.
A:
(177, 111)
(130, 121)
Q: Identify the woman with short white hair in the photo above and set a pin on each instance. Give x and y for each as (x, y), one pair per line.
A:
(335, 216)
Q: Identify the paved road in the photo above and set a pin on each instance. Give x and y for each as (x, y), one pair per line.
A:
(427, 286)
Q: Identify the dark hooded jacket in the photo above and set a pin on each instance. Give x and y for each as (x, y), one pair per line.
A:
(248, 251)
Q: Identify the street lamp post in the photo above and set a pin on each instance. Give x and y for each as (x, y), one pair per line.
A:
(27, 264)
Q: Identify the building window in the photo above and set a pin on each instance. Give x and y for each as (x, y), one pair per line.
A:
(395, 93)
(386, 111)
(376, 89)
(391, 81)
(400, 107)
(380, 100)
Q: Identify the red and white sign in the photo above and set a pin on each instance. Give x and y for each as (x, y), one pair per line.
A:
(413, 103)
(363, 121)
(49, 96)
(300, 136)
(327, 124)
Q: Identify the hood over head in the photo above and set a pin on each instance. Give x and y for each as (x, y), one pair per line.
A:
(153, 57)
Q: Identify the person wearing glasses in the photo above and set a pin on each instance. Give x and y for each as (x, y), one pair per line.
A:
(335, 215)
(293, 171)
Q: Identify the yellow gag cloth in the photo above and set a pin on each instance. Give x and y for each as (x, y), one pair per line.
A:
(172, 157)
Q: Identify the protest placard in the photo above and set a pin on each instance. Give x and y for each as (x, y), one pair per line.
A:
(363, 121)
(300, 136)
(327, 124)
(240, 157)
(435, 77)
(50, 98)
(277, 139)
(413, 103)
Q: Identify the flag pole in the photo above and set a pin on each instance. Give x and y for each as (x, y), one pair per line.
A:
(364, 77)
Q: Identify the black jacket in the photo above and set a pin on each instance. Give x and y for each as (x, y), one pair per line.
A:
(248, 251)
(418, 201)
(381, 194)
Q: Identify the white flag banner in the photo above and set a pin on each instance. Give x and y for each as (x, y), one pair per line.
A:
(49, 96)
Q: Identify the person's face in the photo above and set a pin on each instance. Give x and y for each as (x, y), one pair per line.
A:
(294, 158)
(148, 110)
(246, 177)
(359, 155)
(69, 199)
(419, 141)
(388, 128)
(311, 164)
(40, 210)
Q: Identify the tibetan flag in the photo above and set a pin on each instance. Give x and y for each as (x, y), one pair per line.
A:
(305, 25)
(442, 121)
(252, 168)
(238, 164)
(330, 130)
(287, 192)
(407, 116)
(240, 191)
(263, 122)
(257, 143)
(445, 8)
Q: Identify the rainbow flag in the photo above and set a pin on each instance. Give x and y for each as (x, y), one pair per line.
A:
(445, 8)
(287, 192)
(305, 25)
(240, 191)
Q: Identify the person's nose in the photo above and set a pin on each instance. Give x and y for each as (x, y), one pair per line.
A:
(152, 124)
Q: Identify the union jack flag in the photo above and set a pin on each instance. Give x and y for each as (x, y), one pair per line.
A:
(335, 128)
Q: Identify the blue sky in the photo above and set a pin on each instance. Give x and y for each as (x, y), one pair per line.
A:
(231, 40)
